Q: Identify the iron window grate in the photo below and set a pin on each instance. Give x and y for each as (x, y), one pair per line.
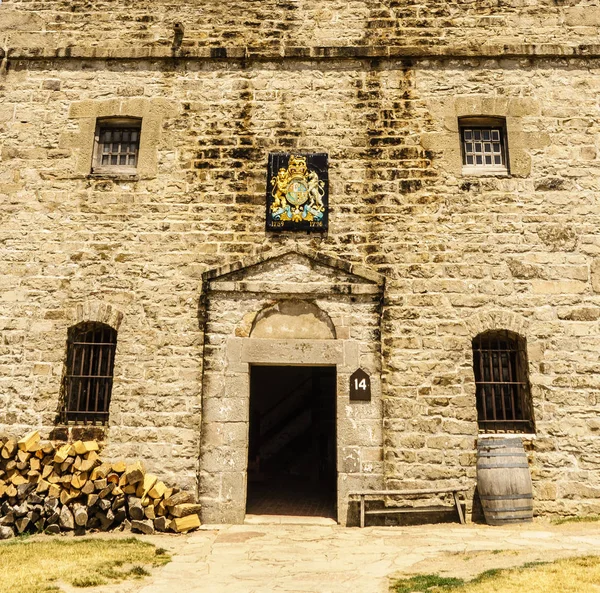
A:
(89, 378)
(483, 147)
(502, 386)
(119, 147)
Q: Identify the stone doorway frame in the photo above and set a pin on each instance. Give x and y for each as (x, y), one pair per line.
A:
(242, 353)
(232, 297)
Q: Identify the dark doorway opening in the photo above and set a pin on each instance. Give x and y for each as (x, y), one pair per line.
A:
(292, 448)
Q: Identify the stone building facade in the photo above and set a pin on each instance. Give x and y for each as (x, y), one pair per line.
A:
(421, 256)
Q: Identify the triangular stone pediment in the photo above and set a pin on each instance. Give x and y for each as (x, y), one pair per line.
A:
(295, 271)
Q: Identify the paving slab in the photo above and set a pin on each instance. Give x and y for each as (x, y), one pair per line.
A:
(292, 558)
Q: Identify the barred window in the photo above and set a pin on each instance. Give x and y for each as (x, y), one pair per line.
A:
(117, 145)
(502, 385)
(483, 144)
(89, 377)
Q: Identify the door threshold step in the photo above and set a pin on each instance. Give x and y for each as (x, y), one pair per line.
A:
(288, 520)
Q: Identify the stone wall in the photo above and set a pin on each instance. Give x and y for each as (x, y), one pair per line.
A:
(76, 25)
(458, 253)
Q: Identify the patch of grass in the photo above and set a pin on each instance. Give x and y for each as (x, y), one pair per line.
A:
(589, 519)
(92, 581)
(139, 571)
(35, 566)
(427, 582)
(572, 575)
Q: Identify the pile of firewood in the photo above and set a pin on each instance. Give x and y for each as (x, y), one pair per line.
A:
(67, 487)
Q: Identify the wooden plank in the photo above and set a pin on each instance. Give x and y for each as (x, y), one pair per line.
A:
(408, 492)
(398, 510)
(362, 511)
(459, 508)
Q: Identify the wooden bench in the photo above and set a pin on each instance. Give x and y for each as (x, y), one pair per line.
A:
(380, 494)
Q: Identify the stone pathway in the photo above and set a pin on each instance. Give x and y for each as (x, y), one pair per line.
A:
(330, 559)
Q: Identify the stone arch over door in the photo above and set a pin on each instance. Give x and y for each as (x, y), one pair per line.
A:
(268, 311)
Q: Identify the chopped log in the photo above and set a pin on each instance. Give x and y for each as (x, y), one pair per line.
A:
(53, 529)
(161, 524)
(118, 501)
(184, 524)
(179, 498)
(160, 509)
(104, 504)
(131, 489)
(106, 491)
(28, 442)
(35, 464)
(50, 504)
(91, 446)
(42, 486)
(61, 455)
(9, 449)
(11, 491)
(17, 479)
(21, 524)
(183, 510)
(80, 515)
(136, 511)
(149, 512)
(145, 526)
(6, 532)
(67, 463)
(100, 472)
(67, 496)
(88, 487)
(47, 448)
(92, 499)
(23, 456)
(100, 484)
(79, 480)
(158, 490)
(134, 473)
(54, 490)
(119, 467)
(54, 477)
(147, 484)
(89, 463)
(66, 520)
(79, 447)
(113, 478)
(47, 470)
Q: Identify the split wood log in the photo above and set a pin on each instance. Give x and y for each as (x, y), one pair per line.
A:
(80, 515)
(183, 510)
(184, 524)
(29, 442)
(134, 473)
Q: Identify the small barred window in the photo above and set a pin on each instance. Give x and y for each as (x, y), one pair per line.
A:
(483, 144)
(89, 378)
(117, 145)
(502, 384)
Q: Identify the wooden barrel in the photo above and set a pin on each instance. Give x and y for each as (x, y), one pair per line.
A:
(504, 481)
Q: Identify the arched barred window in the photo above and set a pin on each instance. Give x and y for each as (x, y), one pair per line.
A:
(502, 383)
(89, 378)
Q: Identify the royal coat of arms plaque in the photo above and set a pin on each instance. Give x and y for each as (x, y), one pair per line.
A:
(297, 192)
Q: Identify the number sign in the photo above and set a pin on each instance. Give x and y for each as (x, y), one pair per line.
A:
(360, 386)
